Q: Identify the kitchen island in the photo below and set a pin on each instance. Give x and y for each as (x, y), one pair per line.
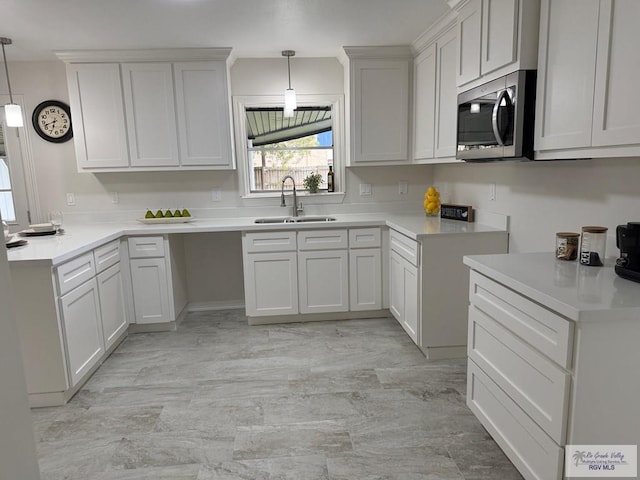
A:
(98, 282)
(553, 357)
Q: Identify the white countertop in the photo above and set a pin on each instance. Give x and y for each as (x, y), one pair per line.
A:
(575, 291)
(81, 238)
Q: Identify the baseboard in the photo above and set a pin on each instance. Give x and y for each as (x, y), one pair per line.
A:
(318, 317)
(152, 327)
(214, 305)
(438, 353)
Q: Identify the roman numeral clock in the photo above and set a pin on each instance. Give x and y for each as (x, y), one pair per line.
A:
(52, 121)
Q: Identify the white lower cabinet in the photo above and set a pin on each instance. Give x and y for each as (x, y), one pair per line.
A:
(78, 320)
(84, 340)
(112, 306)
(427, 284)
(518, 384)
(323, 271)
(365, 279)
(158, 279)
(323, 278)
(150, 290)
(271, 283)
(403, 294)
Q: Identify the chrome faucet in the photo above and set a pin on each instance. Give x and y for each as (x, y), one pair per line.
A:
(296, 209)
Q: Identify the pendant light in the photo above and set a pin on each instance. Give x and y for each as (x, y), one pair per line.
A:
(289, 94)
(12, 111)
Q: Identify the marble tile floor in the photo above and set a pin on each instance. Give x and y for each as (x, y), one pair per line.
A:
(220, 400)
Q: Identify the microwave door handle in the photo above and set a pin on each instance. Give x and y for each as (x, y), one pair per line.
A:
(494, 117)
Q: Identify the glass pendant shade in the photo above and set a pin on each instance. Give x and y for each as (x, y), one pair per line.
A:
(13, 115)
(290, 103)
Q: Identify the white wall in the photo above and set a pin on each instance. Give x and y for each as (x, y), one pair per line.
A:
(543, 198)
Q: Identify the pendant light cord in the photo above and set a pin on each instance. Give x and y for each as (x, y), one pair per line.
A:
(288, 68)
(6, 41)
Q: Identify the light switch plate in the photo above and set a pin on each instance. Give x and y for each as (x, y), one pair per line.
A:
(365, 189)
(71, 199)
(403, 187)
(216, 195)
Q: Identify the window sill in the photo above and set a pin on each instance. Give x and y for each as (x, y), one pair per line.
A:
(320, 198)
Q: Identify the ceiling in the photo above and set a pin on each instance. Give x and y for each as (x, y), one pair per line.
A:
(253, 28)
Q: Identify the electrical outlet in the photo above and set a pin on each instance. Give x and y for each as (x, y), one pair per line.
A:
(492, 192)
(71, 199)
(115, 198)
(216, 195)
(365, 189)
(403, 187)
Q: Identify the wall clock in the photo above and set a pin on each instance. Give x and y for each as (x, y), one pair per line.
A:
(52, 121)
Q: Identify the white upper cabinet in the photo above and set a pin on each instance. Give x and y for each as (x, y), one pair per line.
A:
(97, 112)
(150, 114)
(495, 37)
(202, 105)
(586, 78)
(435, 95)
(424, 104)
(615, 121)
(469, 43)
(137, 110)
(564, 104)
(379, 90)
(446, 98)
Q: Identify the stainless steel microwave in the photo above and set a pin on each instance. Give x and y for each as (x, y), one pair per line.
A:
(496, 120)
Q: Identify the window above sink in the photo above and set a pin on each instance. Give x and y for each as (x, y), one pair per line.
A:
(270, 146)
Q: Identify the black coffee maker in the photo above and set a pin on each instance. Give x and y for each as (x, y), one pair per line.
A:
(628, 241)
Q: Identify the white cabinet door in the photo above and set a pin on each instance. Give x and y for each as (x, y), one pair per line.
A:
(446, 97)
(151, 116)
(112, 308)
(424, 104)
(323, 280)
(82, 329)
(97, 111)
(365, 279)
(380, 111)
(403, 294)
(150, 290)
(468, 42)
(566, 70)
(615, 120)
(202, 106)
(271, 283)
(499, 34)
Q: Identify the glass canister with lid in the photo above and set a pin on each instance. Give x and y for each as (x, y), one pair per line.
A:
(592, 246)
(567, 245)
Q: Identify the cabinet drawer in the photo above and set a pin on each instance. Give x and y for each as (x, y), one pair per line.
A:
(533, 381)
(269, 242)
(322, 239)
(106, 255)
(405, 247)
(145, 247)
(533, 453)
(75, 272)
(364, 237)
(540, 327)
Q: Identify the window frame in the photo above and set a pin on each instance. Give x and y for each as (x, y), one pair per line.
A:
(336, 102)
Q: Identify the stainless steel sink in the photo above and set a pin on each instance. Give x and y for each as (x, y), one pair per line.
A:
(314, 219)
(294, 219)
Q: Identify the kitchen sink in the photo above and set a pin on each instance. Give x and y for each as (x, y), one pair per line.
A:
(294, 219)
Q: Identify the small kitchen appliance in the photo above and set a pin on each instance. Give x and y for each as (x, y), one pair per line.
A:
(628, 241)
(496, 120)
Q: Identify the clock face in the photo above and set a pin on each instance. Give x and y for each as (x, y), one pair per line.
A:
(52, 121)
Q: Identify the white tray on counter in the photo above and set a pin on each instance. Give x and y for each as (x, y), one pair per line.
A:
(152, 221)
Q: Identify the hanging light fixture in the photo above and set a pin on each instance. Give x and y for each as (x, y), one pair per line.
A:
(12, 111)
(289, 94)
